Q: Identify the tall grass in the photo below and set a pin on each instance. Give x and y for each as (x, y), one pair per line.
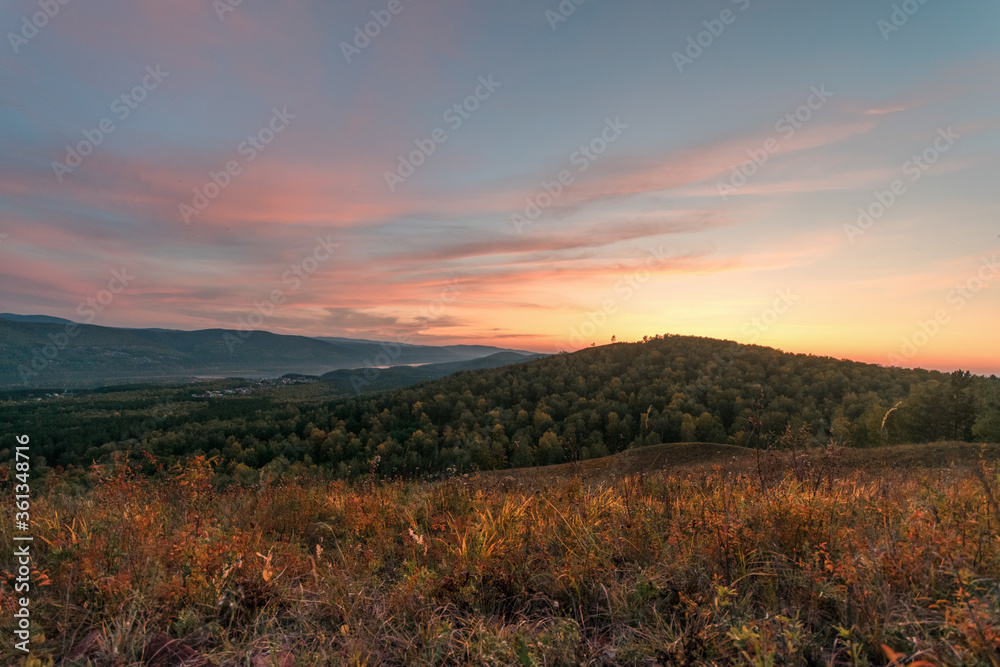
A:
(795, 562)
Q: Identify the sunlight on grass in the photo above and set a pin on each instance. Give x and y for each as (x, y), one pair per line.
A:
(783, 563)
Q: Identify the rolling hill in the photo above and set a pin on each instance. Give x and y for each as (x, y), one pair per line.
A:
(369, 379)
(428, 354)
(39, 351)
(36, 319)
(557, 409)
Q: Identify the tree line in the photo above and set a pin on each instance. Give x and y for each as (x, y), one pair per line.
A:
(566, 407)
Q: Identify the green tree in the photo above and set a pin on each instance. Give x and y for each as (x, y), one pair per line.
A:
(549, 450)
(708, 428)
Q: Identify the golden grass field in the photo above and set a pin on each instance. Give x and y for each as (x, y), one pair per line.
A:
(686, 554)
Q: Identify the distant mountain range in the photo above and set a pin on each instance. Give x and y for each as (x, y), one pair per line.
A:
(425, 352)
(37, 319)
(369, 379)
(40, 351)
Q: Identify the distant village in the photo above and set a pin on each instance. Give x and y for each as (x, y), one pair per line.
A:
(255, 385)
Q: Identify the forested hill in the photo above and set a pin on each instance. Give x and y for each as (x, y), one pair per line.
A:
(669, 389)
(560, 408)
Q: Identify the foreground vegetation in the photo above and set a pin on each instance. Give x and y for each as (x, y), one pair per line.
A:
(826, 556)
(701, 502)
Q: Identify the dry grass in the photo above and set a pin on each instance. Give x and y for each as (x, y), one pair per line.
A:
(697, 455)
(832, 558)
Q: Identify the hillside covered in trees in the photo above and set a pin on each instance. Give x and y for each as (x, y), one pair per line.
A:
(562, 408)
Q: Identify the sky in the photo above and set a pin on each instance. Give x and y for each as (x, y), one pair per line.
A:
(820, 177)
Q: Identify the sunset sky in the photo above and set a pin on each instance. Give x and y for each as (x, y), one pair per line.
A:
(643, 124)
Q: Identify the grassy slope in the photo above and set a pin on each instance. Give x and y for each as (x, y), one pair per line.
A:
(699, 560)
(672, 456)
